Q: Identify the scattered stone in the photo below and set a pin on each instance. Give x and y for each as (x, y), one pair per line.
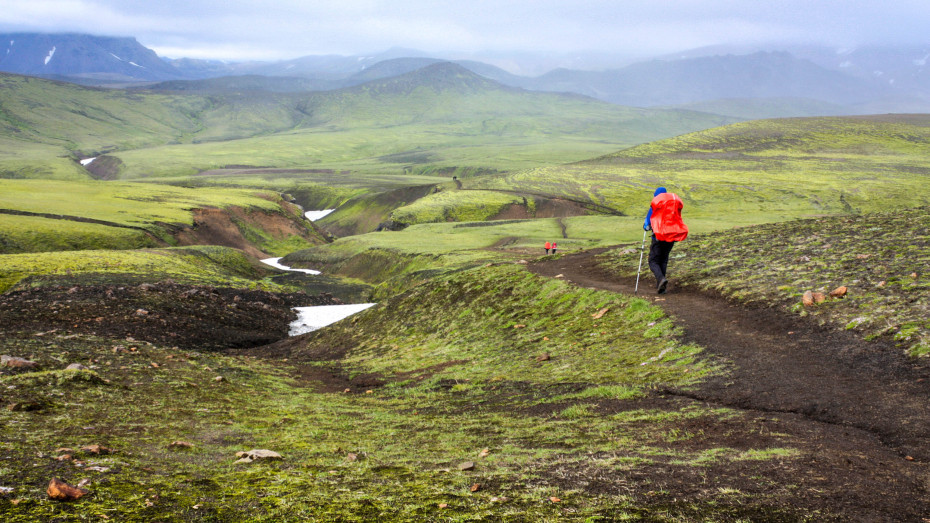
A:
(219, 379)
(64, 449)
(881, 283)
(6, 490)
(804, 259)
(351, 457)
(839, 292)
(14, 362)
(76, 366)
(476, 487)
(61, 491)
(347, 391)
(98, 450)
(65, 457)
(519, 326)
(543, 357)
(484, 453)
(258, 455)
(468, 465)
(178, 444)
(559, 275)
(811, 298)
(96, 469)
(554, 499)
(600, 314)
(142, 312)
(443, 505)
(914, 275)
(26, 406)
(147, 287)
(863, 256)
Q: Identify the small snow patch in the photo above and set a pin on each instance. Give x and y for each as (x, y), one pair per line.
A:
(50, 55)
(275, 262)
(87, 161)
(135, 64)
(316, 215)
(310, 319)
(922, 61)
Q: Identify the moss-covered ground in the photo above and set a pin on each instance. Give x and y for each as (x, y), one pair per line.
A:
(378, 418)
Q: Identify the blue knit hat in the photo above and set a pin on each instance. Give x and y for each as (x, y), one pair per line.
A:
(659, 191)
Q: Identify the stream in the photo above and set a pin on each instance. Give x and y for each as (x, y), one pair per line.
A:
(312, 318)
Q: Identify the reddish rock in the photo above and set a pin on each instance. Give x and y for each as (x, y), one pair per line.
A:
(543, 357)
(819, 297)
(61, 491)
(96, 449)
(839, 292)
(808, 299)
(600, 314)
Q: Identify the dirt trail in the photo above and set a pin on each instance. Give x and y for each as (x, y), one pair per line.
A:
(783, 364)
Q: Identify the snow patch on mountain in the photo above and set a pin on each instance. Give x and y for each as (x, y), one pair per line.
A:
(50, 55)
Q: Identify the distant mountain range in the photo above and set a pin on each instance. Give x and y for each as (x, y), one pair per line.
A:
(741, 82)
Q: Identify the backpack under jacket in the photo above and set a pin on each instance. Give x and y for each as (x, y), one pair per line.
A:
(666, 221)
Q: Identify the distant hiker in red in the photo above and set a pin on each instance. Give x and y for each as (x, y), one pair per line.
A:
(664, 220)
(548, 246)
(554, 247)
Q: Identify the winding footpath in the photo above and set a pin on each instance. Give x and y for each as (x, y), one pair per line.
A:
(783, 364)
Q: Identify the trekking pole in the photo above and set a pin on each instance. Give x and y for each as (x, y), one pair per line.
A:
(640, 268)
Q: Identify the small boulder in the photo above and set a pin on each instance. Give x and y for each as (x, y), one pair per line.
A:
(76, 366)
(543, 357)
(98, 450)
(839, 292)
(468, 465)
(600, 314)
(61, 491)
(178, 444)
(819, 297)
(14, 362)
(258, 455)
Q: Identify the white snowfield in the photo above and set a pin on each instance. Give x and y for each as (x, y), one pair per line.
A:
(310, 319)
(316, 215)
(50, 55)
(87, 161)
(275, 262)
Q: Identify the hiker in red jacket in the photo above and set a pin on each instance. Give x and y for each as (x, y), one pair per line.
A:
(548, 246)
(664, 220)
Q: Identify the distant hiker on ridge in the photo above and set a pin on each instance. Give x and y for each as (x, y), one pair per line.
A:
(548, 246)
(664, 220)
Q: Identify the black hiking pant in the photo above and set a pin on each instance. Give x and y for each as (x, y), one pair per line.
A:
(658, 258)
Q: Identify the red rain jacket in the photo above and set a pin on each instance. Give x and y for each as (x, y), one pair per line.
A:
(666, 218)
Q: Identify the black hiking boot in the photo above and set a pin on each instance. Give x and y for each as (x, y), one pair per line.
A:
(663, 286)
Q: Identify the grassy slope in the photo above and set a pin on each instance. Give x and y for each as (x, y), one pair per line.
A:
(882, 259)
(755, 172)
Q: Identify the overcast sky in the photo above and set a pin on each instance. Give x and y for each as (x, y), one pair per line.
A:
(282, 29)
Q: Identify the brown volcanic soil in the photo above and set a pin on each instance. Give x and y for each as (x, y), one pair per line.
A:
(186, 316)
(860, 409)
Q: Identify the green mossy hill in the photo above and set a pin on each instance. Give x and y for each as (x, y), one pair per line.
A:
(882, 258)
(453, 118)
(494, 322)
(200, 265)
(50, 215)
(755, 172)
